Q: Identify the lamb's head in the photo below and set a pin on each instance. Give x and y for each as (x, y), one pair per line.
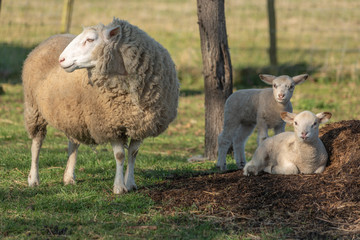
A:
(306, 124)
(85, 50)
(283, 86)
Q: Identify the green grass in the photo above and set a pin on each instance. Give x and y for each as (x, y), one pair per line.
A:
(322, 42)
(90, 210)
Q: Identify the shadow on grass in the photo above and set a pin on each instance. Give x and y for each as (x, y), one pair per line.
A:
(11, 62)
(249, 77)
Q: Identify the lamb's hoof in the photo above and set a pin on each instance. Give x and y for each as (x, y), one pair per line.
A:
(131, 187)
(120, 189)
(240, 166)
(33, 181)
(250, 171)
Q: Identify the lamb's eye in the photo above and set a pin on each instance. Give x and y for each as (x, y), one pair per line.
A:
(275, 86)
(89, 40)
(291, 87)
(295, 123)
(314, 125)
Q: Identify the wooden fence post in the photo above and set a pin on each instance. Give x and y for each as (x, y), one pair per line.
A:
(66, 16)
(272, 32)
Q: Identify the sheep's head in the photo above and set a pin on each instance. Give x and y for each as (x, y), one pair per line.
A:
(84, 51)
(306, 124)
(283, 86)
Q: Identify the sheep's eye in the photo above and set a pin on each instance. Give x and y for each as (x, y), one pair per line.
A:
(275, 86)
(291, 87)
(89, 40)
(295, 123)
(314, 125)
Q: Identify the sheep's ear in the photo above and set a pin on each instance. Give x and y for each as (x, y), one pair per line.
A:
(300, 78)
(323, 117)
(266, 78)
(112, 32)
(287, 117)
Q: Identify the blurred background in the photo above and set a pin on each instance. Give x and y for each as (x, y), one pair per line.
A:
(319, 37)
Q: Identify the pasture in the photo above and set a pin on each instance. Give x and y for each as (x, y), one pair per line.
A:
(177, 199)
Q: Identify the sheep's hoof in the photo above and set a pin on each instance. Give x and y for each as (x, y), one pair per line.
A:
(240, 166)
(120, 189)
(33, 181)
(131, 187)
(70, 181)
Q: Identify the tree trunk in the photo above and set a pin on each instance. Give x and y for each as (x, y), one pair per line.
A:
(217, 69)
(272, 32)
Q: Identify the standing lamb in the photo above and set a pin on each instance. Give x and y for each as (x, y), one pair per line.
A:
(248, 108)
(292, 152)
(126, 87)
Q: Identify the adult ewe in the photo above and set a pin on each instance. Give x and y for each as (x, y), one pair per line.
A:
(300, 151)
(248, 108)
(126, 87)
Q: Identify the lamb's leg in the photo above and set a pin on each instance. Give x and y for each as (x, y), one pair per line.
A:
(224, 143)
(33, 178)
(279, 129)
(69, 174)
(119, 154)
(129, 175)
(285, 168)
(241, 135)
(258, 163)
(262, 131)
(320, 169)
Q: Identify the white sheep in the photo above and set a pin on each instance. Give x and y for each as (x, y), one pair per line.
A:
(126, 87)
(300, 151)
(248, 108)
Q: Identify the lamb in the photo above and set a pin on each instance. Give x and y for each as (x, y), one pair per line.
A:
(248, 108)
(295, 152)
(126, 88)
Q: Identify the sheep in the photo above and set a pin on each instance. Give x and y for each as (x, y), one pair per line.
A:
(248, 108)
(125, 87)
(300, 151)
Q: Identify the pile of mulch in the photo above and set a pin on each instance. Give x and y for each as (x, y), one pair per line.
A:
(314, 206)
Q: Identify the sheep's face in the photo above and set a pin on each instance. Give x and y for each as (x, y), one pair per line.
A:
(81, 51)
(306, 124)
(283, 86)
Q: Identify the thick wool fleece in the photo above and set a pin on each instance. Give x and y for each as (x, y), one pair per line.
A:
(132, 91)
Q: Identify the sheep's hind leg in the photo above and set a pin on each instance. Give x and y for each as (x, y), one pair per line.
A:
(69, 174)
(129, 175)
(224, 144)
(241, 135)
(119, 154)
(33, 178)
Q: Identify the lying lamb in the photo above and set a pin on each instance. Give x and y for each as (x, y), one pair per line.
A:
(248, 108)
(292, 152)
(126, 87)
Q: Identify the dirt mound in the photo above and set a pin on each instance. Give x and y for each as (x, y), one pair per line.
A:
(315, 206)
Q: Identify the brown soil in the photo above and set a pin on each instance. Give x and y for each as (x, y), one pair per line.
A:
(315, 206)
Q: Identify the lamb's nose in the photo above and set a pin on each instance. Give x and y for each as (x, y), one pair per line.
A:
(61, 60)
(304, 135)
(281, 95)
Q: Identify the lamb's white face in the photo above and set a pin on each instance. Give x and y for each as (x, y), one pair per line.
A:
(283, 86)
(79, 52)
(306, 124)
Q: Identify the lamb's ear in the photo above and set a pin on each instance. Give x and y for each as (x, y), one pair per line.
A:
(287, 117)
(323, 117)
(300, 78)
(111, 32)
(266, 78)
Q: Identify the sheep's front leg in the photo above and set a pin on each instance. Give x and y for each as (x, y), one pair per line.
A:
(69, 174)
(279, 128)
(285, 168)
(33, 178)
(262, 132)
(119, 154)
(129, 175)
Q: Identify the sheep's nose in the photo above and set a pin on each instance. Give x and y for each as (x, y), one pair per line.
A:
(281, 95)
(61, 60)
(304, 135)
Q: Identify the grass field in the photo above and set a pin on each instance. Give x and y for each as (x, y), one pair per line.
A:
(321, 41)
